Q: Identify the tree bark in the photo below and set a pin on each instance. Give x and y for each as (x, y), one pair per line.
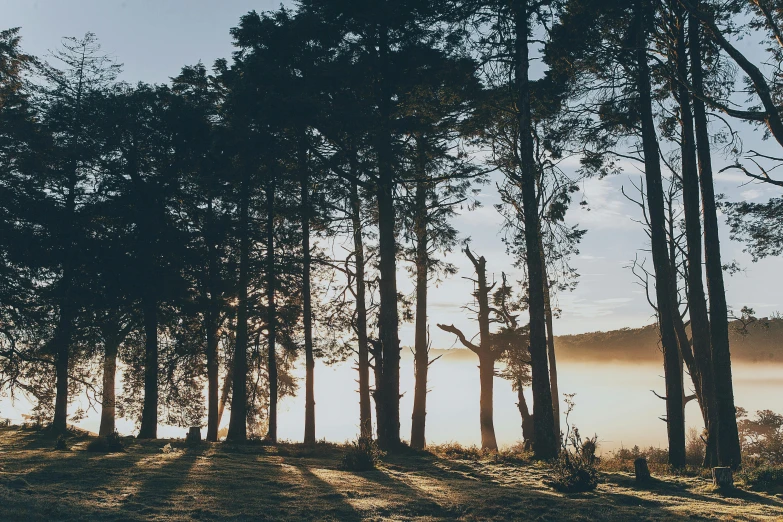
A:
(527, 419)
(149, 414)
(697, 302)
(486, 410)
(387, 391)
(212, 326)
(546, 444)
(663, 277)
(728, 447)
(307, 312)
(421, 349)
(550, 344)
(108, 399)
(237, 424)
(365, 414)
(271, 283)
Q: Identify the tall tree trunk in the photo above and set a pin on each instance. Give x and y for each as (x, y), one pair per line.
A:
(546, 443)
(307, 312)
(149, 414)
(550, 343)
(486, 357)
(271, 283)
(212, 376)
(421, 349)
(387, 391)
(237, 424)
(108, 399)
(697, 302)
(663, 277)
(365, 413)
(728, 447)
(212, 326)
(64, 330)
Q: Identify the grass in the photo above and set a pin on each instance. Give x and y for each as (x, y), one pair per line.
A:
(294, 482)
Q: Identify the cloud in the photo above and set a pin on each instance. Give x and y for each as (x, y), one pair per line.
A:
(615, 300)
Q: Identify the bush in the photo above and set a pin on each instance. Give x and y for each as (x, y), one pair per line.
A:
(694, 448)
(575, 469)
(111, 443)
(766, 477)
(61, 444)
(363, 455)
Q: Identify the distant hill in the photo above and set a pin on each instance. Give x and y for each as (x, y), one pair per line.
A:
(762, 343)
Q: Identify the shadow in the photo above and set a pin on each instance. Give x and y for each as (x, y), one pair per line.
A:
(343, 511)
(164, 476)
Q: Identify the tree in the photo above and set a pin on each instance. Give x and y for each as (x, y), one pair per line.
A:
(70, 108)
(487, 350)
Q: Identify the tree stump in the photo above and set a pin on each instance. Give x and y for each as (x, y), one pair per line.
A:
(641, 470)
(194, 435)
(723, 477)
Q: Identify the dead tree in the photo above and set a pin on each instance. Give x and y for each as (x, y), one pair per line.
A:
(486, 350)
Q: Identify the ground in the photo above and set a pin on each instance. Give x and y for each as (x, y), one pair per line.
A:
(291, 482)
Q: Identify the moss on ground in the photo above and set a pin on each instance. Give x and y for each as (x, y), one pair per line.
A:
(293, 482)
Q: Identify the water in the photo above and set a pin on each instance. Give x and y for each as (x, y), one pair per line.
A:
(613, 400)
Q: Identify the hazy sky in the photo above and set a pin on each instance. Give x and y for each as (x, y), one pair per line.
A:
(154, 39)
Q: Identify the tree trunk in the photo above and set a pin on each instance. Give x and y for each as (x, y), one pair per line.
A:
(108, 399)
(728, 447)
(421, 349)
(62, 351)
(697, 303)
(550, 344)
(365, 414)
(271, 283)
(527, 419)
(237, 424)
(212, 326)
(546, 444)
(64, 330)
(387, 391)
(149, 414)
(224, 392)
(486, 357)
(307, 312)
(661, 262)
(212, 377)
(487, 381)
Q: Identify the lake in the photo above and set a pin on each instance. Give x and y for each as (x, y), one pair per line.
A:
(613, 400)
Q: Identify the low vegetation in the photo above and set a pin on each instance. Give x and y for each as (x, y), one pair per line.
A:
(298, 482)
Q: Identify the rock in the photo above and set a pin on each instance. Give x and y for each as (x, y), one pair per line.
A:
(723, 477)
(641, 470)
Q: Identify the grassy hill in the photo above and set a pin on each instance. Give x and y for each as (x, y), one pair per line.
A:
(292, 482)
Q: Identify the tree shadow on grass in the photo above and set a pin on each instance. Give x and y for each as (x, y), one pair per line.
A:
(676, 489)
(339, 508)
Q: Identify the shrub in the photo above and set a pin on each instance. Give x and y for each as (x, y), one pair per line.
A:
(694, 448)
(61, 444)
(766, 477)
(363, 454)
(111, 443)
(575, 468)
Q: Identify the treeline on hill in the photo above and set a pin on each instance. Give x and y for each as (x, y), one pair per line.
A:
(758, 341)
(179, 233)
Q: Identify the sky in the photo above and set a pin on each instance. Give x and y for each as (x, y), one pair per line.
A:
(154, 39)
